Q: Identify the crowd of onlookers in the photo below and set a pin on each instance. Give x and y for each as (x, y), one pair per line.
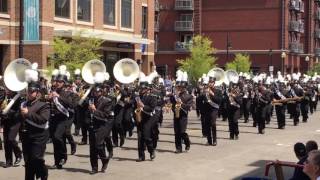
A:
(309, 157)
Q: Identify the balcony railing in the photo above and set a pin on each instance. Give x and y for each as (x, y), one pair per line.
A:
(317, 33)
(317, 51)
(182, 46)
(156, 5)
(294, 26)
(296, 47)
(184, 5)
(183, 26)
(317, 14)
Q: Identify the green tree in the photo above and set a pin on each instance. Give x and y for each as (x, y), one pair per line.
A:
(201, 58)
(75, 52)
(315, 69)
(241, 63)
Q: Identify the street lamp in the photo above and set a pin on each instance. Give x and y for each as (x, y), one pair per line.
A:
(228, 46)
(270, 66)
(283, 57)
(307, 60)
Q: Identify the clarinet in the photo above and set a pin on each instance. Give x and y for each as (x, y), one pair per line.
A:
(91, 102)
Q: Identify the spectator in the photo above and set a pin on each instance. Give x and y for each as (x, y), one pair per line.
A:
(311, 145)
(312, 165)
(301, 154)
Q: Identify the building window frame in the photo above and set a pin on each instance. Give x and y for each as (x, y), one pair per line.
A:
(88, 23)
(116, 17)
(5, 14)
(65, 19)
(132, 17)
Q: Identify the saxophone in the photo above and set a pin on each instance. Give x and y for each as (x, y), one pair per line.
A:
(138, 111)
(4, 104)
(177, 107)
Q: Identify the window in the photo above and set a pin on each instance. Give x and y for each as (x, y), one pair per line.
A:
(62, 8)
(144, 22)
(84, 10)
(126, 13)
(109, 14)
(3, 6)
(186, 17)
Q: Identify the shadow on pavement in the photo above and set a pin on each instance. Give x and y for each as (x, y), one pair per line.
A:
(260, 170)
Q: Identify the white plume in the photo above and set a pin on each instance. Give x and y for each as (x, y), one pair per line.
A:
(68, 75)
(106, 76)
(185, 77)
(63, 69)
(77, 72)
(99, 77)
(55, 72)
(31, 75)
(34, 66)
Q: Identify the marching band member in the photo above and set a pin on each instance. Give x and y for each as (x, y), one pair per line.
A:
(234, 102)
(181, 104)
(145, 105)
(101, 117)
(263, 100)
(278, 96)
(35, 114)
(11, 127)
(61, 101)
(212, 99)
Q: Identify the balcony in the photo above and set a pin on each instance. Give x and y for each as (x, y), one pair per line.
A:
(184, 5)
(295, 5)
(317, 33)
(317, 15)
(182, 46)
(296, 47)
(156, 5)
(317, 51)
(294, 26)
(183, 26)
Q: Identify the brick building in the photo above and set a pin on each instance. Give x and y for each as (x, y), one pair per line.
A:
(124, 25)
(283, 34)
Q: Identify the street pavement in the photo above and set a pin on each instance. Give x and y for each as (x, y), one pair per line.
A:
(230, 159)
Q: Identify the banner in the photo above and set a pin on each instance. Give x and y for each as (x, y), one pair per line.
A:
(31, 20)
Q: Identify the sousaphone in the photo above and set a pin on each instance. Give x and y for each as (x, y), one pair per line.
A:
(14, 79)
(126, 71)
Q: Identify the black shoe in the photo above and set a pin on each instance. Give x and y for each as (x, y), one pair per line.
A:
(281, 127)
(104, 165)
(121, 141)
(111, 154)
(152, 155)
(236, 137)
(130, 133)
(140, 159)
(295, 123)
(1, 146)
(93, 171)
(8, 164)
(261, 131)
(254, 125)
(178, 151)
(231, 137)
(17, 162)
(83, 143)
(56, 166)
(62, 162)
(268, 122)
(214, 143)
(246, 121)
(73, 149)
(187, 148)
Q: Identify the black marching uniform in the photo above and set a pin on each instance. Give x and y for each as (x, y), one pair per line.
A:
(145, 127)
(34, 139)
(211, 108)
(235, 100)
(11, 128)
(59, 123)
(181, 122)
(101, 122)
